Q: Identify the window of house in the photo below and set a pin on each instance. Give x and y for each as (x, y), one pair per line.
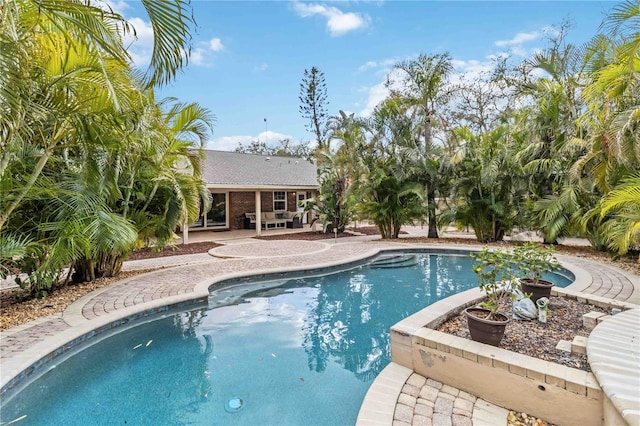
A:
(279, 201)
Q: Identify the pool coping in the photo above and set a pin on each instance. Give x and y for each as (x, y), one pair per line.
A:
(15, 370)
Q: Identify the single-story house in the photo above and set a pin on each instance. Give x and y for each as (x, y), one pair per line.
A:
(255, 191)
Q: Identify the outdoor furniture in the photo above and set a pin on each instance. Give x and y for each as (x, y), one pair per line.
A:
(273, 220)
(293, 220)
(249, 221)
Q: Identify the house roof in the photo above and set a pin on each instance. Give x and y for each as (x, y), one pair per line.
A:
(224, 169)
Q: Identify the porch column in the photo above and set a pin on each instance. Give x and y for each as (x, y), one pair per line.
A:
(185, 233)
(258, 214)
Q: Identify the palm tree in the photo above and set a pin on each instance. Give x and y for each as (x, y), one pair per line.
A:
(55, 52)
(612, 123)
(487, 184)
(549, 122)
(385, 192)
(623, 202)
(423, 90)
(68, 99)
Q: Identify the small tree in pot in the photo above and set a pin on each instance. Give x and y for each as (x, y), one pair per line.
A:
(496, 278)
(533, 260)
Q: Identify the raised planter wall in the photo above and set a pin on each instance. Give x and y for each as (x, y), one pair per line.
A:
(559, 394)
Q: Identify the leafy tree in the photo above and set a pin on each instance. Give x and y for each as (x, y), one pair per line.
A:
(550, 120)
(313, 104)
(285, 148)
(72, 123)
(53, 50)
(612, 123)
(332, 206)
(622, 204)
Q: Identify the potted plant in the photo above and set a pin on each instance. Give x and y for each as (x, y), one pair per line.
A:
(533, 260)
(495, 272)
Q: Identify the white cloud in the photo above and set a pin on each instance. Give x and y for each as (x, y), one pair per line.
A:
(367, 65)
(519, 38)
(140, 47)
(338, 22)
(376, 94)
(516, 44)
(216, 45)
(230, 143)
(202, 54)
(384, 64)
(118, 6)
(469, 70)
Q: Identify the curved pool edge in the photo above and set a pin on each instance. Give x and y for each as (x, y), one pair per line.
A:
(17, 369)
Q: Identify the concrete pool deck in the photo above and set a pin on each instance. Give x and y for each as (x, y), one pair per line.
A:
(190, 279)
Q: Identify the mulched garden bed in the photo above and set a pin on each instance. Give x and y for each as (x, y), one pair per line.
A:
(304, 236)
(537, 339)
(193, 248)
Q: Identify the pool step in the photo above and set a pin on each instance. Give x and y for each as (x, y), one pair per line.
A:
(395, 261)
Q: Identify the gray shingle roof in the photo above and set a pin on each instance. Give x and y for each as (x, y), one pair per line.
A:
(249, 170)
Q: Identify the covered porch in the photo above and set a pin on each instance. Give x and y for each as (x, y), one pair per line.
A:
(233, 235)
(254, 192)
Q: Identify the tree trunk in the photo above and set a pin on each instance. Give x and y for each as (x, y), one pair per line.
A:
(431, 210)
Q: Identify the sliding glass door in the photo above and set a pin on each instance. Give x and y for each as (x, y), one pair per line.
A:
(217, 216)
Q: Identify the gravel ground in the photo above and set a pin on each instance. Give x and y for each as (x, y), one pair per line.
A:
(537, 339)
(148, 253)
(16, 311)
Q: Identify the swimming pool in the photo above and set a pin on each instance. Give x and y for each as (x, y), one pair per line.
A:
(301, 351)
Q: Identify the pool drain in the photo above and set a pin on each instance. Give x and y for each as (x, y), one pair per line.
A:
(233, 404)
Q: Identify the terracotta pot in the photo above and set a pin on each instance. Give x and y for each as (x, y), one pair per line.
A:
(541, 289)
(484, 330)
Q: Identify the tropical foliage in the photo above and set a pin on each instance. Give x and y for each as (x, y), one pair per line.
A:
(91, 164)
(551, 144)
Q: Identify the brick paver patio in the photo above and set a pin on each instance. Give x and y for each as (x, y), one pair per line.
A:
(421, 401)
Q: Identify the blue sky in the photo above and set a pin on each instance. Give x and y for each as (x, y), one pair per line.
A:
(249, 57)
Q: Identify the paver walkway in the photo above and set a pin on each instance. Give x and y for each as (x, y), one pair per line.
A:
(22, 346)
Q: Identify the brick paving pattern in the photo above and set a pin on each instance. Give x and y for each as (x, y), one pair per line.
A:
(606, 281)
(428, 402)
(422, 401)
(14, 343)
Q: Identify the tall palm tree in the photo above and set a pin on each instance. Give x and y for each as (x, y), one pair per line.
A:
(549, 122)
(612, 120)
(423, 87)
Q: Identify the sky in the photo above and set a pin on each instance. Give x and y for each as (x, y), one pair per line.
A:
(248, 57)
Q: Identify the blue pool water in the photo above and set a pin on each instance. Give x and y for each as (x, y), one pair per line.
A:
(300, 352)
